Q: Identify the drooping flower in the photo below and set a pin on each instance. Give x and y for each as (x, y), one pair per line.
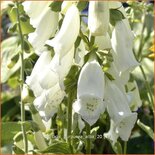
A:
(98, 17)
(33, 80)
(65, 38)
(118, 108)
(45, 22)
(122, 44)
(47, 104)
(56, 72)
(90, 92)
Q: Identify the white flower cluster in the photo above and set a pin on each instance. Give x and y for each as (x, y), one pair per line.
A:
(95, 92)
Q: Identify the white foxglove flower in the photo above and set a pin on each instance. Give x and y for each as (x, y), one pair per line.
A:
(68, 33)
(133, 96)
(47, 104)
(103, 42)
(119, 111)
(122, 44)
(90, 92)
(98, 17)
(33, 80)
(56, 72)
(44, 20)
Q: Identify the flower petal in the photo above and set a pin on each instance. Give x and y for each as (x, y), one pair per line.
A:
(89, 107)
(33, 80)
(122, 42)
(41, 17)
(91, 80)
(98, 17)
(68, 33)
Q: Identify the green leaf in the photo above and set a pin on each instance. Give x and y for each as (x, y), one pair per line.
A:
(56, 6)
(110, 77)
(58, 148)
(9, 48)
(115, 16)
(10, 129)
(82, 5)
(17, 150)
(146, 129)
(70, 81)
(77, 42)
(25, 25)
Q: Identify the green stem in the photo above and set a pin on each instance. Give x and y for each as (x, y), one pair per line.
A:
(141, 40)
(69, 116)
(88, 142)
(125, 148)
(150, 98)
(22, 80)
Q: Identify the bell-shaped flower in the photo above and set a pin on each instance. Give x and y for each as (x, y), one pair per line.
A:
(103, 42)
(56, 72)
(33, 80)
(90, 92)
(66, 37)
(119, 111)
(98, 17)
(45, 22)
(133, 96)
(47, 104)
(122, 44)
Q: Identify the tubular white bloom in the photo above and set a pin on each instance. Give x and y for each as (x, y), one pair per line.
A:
(122, 43)
(103, 42)
(119, 111)
(44, 20)
(98, 17)
(68, 33)
(133, 96)
(33, 80)
(47, 104)
(90, 92)
(56, 72)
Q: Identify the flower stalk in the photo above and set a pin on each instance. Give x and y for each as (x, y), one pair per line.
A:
(88, 142)
(69, 116)
(22, 80)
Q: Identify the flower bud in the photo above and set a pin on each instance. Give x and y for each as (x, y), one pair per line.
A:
(27, 95)
(40, 141)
